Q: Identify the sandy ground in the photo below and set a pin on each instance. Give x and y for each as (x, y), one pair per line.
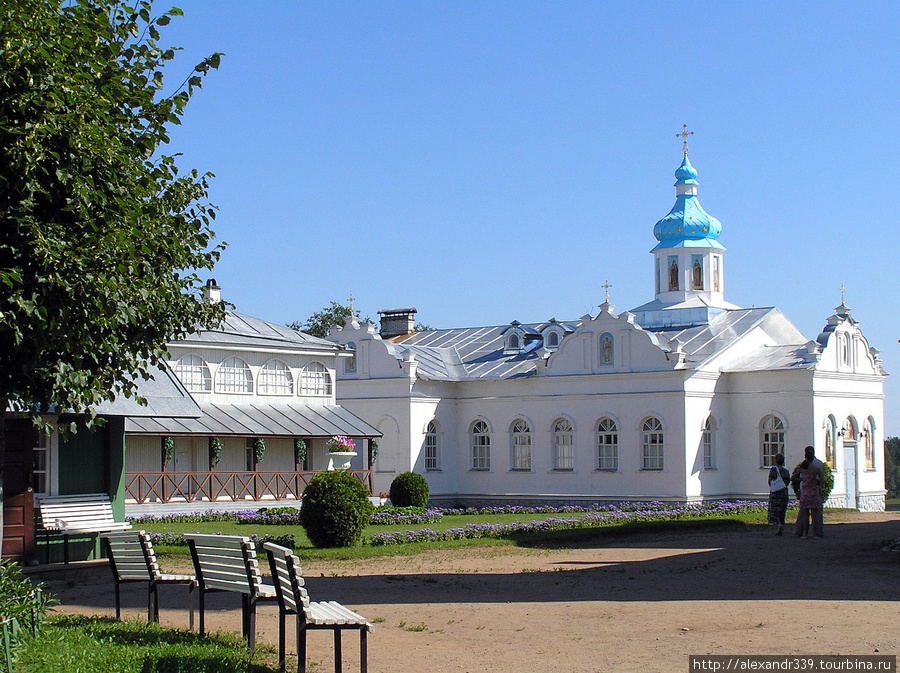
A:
(642, 602)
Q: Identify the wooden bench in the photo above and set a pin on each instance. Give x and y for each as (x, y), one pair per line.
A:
(294, 600)
(228, 563)
(132, 559)
(78, 515)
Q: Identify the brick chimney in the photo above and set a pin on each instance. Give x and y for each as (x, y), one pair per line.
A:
(397, 322)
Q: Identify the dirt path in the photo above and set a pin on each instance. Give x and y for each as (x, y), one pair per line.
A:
(632, 604)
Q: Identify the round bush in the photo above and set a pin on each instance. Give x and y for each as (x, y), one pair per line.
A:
(825, 488)
(409, 490)
(335, 509)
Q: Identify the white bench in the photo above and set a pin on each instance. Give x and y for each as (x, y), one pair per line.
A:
(294, 600)
(133, 559)
(78, 515)
(228, 563)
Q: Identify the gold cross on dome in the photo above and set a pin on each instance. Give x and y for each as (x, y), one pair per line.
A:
(684, 136)
(606, 287)
(351, 299)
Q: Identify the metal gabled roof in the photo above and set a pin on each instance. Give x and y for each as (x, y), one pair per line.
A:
(244, 330)
(771, 358)
(258, 420)
(165, 396)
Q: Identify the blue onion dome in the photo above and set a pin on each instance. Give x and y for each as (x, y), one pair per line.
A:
(687, 221)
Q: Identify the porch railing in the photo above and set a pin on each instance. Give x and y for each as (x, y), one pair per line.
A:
(162, 487)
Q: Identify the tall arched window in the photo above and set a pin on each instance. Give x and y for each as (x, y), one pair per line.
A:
(607, 445)
(708, 444)
(771, 439)
(552, 339)
(350, 363)
(869, 435)
(234, 377)
(513, 342)
(652, 444)
(275, 379)
(193, 372)
(481, 446)
(521, 445)
(563, 445)
(830, 440)
(315, 380)
(432, 448)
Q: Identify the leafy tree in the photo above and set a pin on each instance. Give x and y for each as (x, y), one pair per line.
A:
(892, 466)
(320, 322)
(101, 236)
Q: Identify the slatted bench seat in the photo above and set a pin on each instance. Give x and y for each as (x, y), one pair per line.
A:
(132, 559)
(294, 600)
(228, 563)
(78, 515)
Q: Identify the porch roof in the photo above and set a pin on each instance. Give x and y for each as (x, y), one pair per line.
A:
(258, 420)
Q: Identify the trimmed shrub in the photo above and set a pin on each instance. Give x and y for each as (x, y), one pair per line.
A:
(335, 509)
(409, 490)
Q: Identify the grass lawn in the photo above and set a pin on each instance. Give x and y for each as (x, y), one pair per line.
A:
(305, 549)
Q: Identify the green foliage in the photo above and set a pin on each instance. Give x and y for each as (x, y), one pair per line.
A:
(259, 448)
(215, 451)
(299, 451)
(101, 234)
(825, 488)
(168, 445)
(892, 466)
(17, 597)
(320, 322)
(101, 645)
(409, 489)
(335, 509)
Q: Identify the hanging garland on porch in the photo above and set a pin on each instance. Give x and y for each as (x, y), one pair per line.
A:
(259, 448)
(168, 445)
(374, 450)
(299, 451)
(215, 450)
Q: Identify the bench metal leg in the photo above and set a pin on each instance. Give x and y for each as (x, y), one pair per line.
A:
(282, 657)
(301, 644)
(152, 603)
(66, 548)
(338, 664)
(191, 606)
(363, 650)
(202, 612)
(118, 603)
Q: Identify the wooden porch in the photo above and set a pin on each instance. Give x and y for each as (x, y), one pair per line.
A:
(215, 486)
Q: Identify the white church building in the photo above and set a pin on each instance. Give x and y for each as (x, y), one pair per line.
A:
(687, 397)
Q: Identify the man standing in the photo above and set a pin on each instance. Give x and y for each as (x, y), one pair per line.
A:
(817, 514)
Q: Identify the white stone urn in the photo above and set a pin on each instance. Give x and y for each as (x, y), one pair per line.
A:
(340, 460)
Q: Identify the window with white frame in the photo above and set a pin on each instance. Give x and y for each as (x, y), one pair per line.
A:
(607, 445)
(432, 452)
(830, 440)
(315, 379)
(652, 444)
(350, 363)
(563, 445)
(771, 438)
(481, 446)
(40, 474)
(869, 435)
(193, 372)
(708, 444)
(234, 376)
(513, 342)
(275, 379)
(521, 445)
(552, 339)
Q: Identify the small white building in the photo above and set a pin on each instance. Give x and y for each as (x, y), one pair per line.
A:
(687, 397)
(266, 394)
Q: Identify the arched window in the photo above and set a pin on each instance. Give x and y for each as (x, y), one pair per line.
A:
(869, 436)
(350, 363)
(830, 440)
(607, 352)
(771, 439)
(234, 377)
(652, 444)
(513, 342)
(850, 431)
(275, 379)
(315, 380)
(552, 339)
(607, 445)
(481, 446)
(708, 444)
(193, 372)
(563, 449)
(432, 448)
(521, 445)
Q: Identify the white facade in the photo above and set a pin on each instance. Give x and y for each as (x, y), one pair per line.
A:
(687, 397)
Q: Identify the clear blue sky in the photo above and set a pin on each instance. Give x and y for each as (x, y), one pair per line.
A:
(496, 161)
